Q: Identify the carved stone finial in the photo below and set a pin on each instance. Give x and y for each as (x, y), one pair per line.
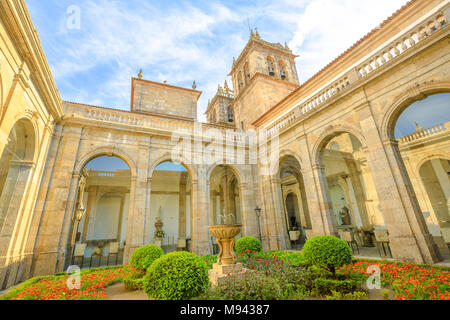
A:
(227, 89)
(234, 60)
(257, 34)
(140, 75)
(194, 85)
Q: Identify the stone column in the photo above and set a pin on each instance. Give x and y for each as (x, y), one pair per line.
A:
(201, 243)
(408, 233)
(326, 212)
(248, 205)
(443, 179)
(353, 199)
(182, 207)
(273, 228)
(315, 191)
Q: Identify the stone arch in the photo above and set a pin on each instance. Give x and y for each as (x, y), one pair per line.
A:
(168, 158)
(413, 94)
(431, 157)
(241, 178)
(111, 151)
(329, 133)
(284, 154)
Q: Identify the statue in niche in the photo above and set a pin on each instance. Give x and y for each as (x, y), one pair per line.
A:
(344, 216)
(159, 224)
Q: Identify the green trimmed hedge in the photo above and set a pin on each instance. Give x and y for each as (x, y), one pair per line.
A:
(176, 276)
(248, 243)
(326, 286)
(143, 257)
(327, 252)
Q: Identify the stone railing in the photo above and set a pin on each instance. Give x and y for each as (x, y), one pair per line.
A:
(388, 54)
(425, 133)
(165, 125)
(403, 44)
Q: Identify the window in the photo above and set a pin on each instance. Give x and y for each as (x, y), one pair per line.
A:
(271, 67)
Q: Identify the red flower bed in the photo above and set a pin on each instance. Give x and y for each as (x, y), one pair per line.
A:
(92, 286)
(409, 281)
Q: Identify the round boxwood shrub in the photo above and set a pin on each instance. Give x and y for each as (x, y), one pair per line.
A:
(327, 252)
(176, 276)
(248, 243)
(143, 257)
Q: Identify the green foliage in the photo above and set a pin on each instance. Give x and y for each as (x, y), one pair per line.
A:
(325, 286)
(251, 286)
(248, 245)
(133, 278)
(176, 276)
(327, 252)
(210, 260)
(385, 294)
(358, 295)
(143, 257)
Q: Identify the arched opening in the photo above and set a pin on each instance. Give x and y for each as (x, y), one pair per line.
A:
(230, 114)
(170, 207)
(16, 165)
(282, 69)
(246, 73)
(423, 135)
(225, 198)
(355, 210)
(296, 212)
(271, 66)
(241, 82)
(99, 224)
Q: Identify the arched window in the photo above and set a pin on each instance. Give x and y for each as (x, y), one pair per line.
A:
(282, 68)
(230, 114)
(246, 73)
(271, 66)
(240, 80)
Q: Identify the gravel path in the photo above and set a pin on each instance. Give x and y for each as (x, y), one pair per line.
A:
(118, 292)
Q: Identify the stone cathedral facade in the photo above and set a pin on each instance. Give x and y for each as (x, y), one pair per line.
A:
(339, 170)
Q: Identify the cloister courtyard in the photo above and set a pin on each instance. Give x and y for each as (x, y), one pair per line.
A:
(333, 188)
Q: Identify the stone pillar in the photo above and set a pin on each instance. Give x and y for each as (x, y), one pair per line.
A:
(443, 179)
(248, 205)
(201, 238)
(408, 233)
(273, 228)
(326, 212)
(354, 200)
(182, 207)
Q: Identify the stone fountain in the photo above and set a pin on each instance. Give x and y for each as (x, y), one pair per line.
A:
(226, 265)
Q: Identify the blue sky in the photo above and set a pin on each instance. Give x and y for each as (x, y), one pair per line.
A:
(182, 41)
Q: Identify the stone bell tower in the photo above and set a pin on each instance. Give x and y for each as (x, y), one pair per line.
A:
(263, 75)
(220, 108)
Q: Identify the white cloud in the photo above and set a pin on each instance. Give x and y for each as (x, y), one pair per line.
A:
(182, 43)
(326, 28)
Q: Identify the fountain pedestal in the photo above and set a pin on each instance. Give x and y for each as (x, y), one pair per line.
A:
(226, 265)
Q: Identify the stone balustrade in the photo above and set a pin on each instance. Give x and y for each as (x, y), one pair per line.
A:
(405, 42)
(425, 133)
(388, 54)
